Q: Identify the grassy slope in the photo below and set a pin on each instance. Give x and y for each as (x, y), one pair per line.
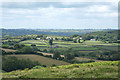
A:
(107, 69)
(42, 60)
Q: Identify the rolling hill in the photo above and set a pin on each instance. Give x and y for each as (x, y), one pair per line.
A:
(58, 32)
(106, 69)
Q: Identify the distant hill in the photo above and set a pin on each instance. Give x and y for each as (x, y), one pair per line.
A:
(58, 32)
(111, 36)
(105, 69)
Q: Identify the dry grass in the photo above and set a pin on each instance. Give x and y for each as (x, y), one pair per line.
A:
(8, 50)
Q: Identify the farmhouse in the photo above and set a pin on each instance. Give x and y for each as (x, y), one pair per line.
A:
(80, 37)
(74, 38)
(38, 38)
(92, 39)
(53, 38)
(48, 38)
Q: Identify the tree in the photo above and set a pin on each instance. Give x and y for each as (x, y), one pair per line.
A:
(69, 56)
(63, 38)
(51, 42)
(18, 46)
(56, 55)
(41, 35)
(75, 35)
(28, 50)
(33, 45)
(11, 63)
(75, 41)
(56, 38)
(78, 40)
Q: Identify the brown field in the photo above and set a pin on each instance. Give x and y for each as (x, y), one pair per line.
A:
(42, 60)
(8, 50)
(48, 54)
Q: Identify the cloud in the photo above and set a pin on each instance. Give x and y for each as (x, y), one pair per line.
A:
(98, 8)
(59, 14)
(103, 15)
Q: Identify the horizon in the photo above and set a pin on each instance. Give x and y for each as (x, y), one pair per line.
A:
(64, 29)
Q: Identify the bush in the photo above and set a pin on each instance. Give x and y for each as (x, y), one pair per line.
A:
(56, 55)
(28, 50)
(18, 46)
(33, 45)
(44, 65)
(69, 56)
(45, 50)
(53, 65)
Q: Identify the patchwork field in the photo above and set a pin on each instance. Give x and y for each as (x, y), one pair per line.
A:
(65, 45)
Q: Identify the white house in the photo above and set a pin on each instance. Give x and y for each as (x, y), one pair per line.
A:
(48, 38)
(53, 38)
(92, 39)
(38, 38)
(74, 38)
(80, 37)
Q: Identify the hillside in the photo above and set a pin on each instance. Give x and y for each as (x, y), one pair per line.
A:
(42, 60)
(110, 36)
(106, 69)
(58, 32)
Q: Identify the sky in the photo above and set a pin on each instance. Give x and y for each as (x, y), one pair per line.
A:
(59, 15)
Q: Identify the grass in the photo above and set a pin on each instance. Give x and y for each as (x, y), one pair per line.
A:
(42, 60)
(110, 48)
(85, 59)
(96, 43)
(106, 69)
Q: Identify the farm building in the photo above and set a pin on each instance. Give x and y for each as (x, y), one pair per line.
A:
(48, 38)
(38, 38)
(80, 37)
(92, 39)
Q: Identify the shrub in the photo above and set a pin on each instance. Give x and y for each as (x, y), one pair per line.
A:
(33, 45)
(45, 50)
(44, 65)
(53, 65)
(69, 56)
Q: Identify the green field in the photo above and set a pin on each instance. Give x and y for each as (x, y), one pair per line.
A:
(107, 69)
(65, 45)
(42, 60)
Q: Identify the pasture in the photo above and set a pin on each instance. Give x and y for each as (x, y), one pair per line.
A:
(42, 60)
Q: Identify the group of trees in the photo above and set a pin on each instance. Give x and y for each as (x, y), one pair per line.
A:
(77, 41)
(12, 63)
(67, 55)
(105, 36)
(67, 39)
(105, 55)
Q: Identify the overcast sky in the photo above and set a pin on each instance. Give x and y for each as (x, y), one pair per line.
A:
(60, 15)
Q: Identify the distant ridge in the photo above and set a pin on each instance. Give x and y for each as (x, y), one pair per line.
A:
(58, 32)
